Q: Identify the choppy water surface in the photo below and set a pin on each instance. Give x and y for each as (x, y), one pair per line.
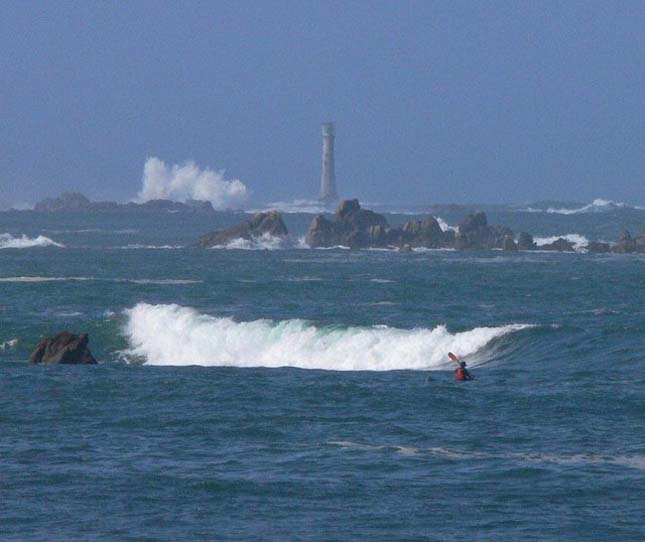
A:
(283, 394)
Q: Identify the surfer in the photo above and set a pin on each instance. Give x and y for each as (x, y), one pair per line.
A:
(461, 374)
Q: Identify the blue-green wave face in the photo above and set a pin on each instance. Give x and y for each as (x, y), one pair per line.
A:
(271, 391)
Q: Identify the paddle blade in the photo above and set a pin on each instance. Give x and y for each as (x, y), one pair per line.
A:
(453, 357)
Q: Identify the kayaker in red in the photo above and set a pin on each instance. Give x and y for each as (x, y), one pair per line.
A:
(461, 373)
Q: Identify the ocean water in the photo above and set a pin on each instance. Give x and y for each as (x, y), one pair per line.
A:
(298, 394)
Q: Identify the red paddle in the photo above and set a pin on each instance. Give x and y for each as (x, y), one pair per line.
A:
(454, 358)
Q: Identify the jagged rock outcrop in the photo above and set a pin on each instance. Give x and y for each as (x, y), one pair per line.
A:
(361, 228)
(525, 242)
(625, 244)
(65, 348)
(598, 247)
(265, 223)
(640, 242)
(425, 233)
(352, 226)
(509, 243)
(559, 245)
(475, 232)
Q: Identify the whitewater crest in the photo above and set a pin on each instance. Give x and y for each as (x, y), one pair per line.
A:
(263, 242)
(596, 206)
(170, 334)
(9, 241)
(579, 242)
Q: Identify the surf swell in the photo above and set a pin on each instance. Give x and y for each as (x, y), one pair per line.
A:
(9, 241)
(176, 335)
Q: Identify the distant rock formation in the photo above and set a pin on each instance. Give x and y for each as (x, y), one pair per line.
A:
(559, 245)
(64, 348)
(598, 247)
(627, 244)
(67, 201)
(352, 226)
(355, 227)
(474, 232)
(525, 242)
(75, 202)
(509, 243)
(266, 223)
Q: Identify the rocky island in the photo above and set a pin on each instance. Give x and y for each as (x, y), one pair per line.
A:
(76, 202)
(357, 228)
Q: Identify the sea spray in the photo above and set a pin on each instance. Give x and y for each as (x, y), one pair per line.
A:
(175, 335)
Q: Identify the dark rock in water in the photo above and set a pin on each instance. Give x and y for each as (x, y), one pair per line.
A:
(268, 223)
(597, 247)
(559, 245)
(525, 242)
(424, 233)
(625, 244)
(355, 227)
(509, 243)
(352, 226)
(640, 242)
(475, 232)
(66, 348)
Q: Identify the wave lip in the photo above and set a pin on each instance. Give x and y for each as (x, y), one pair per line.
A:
(9, 241)
(175, 335)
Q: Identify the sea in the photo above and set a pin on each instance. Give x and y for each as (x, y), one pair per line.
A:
(269, 391)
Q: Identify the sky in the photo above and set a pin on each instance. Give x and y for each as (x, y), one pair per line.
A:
(434, 102)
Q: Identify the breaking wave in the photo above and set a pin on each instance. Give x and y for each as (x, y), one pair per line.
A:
(579, 241)
(176, 335)
(596, 206)
(9, 241)
(264, 242)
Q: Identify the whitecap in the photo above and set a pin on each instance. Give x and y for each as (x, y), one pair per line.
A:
(579, 241)
(9, 241)
(9, 345)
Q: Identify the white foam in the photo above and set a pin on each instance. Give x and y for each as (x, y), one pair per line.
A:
(176, 335)
(579, 241)
(297, 206)
(596, 206)
(43, 279)
(444, 225)
(149, 247)
(265, 242)
(9, 241)
(82, 279)
(8, 345)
